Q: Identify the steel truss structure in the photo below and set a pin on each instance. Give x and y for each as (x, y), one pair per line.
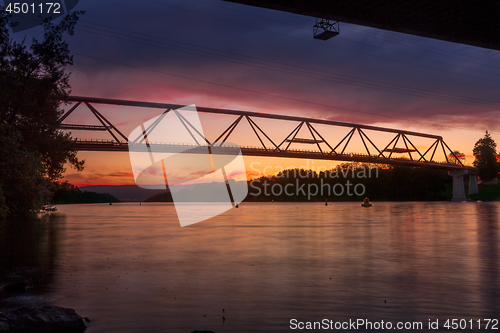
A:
(274, 148)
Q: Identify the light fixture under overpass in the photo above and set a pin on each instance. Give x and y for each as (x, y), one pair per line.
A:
(325, 29)
(467, 22)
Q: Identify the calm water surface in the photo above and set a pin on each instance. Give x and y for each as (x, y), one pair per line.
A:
(132, 268)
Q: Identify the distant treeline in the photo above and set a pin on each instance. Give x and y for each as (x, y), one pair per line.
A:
(66, 193)
(353, 182)
(348, 182)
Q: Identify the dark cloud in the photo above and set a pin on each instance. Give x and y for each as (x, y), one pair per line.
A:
(214, 53)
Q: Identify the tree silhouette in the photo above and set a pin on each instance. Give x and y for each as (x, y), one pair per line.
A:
(456, 157)
(33, 82)
(486, 158)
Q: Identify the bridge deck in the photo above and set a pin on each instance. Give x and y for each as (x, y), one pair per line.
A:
(108, 145)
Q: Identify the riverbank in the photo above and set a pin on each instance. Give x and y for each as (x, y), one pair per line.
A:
(26, 273)
(487, 192)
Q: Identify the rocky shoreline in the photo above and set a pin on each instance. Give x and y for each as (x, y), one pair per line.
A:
(44, 319)
(31, 318)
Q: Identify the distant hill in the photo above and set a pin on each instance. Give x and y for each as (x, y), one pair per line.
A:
(123, 192)
(162, 197)
(136, 193)
(203, 192)
(69, 194)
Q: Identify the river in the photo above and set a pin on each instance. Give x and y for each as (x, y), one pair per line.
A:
(264, 267)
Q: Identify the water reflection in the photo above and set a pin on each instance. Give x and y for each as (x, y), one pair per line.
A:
(29, 254)
(489, 255)
(132, 268)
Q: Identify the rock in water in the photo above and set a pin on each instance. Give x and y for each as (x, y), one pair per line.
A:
(45, 319)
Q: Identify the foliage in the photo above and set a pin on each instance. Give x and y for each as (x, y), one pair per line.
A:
(456, 157)
(385, 183)
(34, 83)
(486, 158)
(487, 193)
(24, 187)
(66, 193)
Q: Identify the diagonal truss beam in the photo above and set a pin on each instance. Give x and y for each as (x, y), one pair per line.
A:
(228, 130)
(185, 122)
(382, 152)
(151, 127)
(435, 148)
(314, 137)
(421, 156)
(338, 152)
(366, 136)
(102, 120)
(250, 120)
(453, 153)
(256, 133)
(406, 145)
(351, 132)
(64, 116)
(364, 143)
(322, 138)
(294, 133)
(444, 152)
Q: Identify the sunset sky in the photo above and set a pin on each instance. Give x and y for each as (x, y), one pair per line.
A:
(217, 54)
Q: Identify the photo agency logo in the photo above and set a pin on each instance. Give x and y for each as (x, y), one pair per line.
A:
(29, 14)
(310, 182)
(171, 151)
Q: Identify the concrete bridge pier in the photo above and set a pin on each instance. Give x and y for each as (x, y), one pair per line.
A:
(473, 184)
(458, 184)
